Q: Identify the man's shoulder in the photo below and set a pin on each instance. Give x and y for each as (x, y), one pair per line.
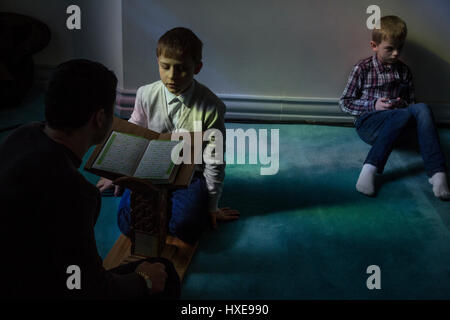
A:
(23, 143)
(31, 150)
(25, 131)
(29, 157)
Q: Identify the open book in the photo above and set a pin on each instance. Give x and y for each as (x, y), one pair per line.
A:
(134, 151)
(135, 156)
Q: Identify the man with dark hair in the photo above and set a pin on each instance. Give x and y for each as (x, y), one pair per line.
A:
(78, 89)
(49, 209)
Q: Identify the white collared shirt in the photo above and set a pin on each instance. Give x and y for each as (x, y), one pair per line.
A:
(175, 104)
(198, 103)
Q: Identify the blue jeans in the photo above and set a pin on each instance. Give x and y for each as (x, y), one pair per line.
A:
(382, 129)
(188, 211)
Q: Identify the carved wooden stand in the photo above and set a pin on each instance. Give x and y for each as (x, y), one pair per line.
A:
(149, 220)
(149, 232)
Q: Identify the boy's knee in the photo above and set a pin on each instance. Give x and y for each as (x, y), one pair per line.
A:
(188, 213)
(187, 227)
(401, 117)
(422, 113)
(184, 225)
(123, 214)
(420, 108)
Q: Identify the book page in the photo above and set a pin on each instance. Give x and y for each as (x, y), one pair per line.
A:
(156, 162)
(121, 153)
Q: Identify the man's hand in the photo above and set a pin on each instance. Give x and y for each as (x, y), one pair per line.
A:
(104, 184)
(383, 104)
(223, 214)
(157, 274)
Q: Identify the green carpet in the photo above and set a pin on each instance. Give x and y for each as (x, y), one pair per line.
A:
(305, 233)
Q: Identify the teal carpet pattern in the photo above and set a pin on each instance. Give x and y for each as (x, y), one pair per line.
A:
(305, 233)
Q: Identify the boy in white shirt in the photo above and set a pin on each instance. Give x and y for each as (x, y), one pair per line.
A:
(176, 102)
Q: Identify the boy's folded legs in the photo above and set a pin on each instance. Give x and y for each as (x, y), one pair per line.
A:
(428, 138)
(430, 149)
(188, 213)
(382, 130)
(124, 213)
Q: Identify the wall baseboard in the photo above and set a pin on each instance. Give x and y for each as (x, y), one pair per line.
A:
(263, 108)
(279, 109)
(283, 109)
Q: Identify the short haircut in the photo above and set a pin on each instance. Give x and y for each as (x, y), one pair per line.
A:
(392, 29)
(180, 42)
(78, 88)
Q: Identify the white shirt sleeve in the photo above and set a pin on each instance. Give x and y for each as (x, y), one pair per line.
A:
(139, 116)
(215, 173)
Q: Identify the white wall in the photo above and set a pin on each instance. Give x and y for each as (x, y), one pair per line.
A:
(281, 47)
(99, 39)
(274, 58)
(287, 59)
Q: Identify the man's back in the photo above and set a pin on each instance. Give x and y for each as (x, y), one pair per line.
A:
(48, 213)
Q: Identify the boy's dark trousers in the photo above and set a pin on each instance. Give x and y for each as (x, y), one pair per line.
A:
(382, 129)
(188, 211)
(172, 290)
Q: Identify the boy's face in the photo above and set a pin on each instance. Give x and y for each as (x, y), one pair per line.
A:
(177, 73)
(387, 51)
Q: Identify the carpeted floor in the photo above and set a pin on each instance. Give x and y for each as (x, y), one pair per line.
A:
(305, 233)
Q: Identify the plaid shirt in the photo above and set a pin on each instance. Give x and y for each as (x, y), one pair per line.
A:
(370, 80)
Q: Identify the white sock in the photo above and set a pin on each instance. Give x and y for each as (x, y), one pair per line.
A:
(440, 186)
(366, 180)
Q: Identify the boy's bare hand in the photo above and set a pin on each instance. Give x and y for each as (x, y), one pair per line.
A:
(223, 214)
(157, 274)
(383, 104)
(104, 184)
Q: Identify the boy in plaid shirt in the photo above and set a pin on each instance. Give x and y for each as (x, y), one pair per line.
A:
(380, 94)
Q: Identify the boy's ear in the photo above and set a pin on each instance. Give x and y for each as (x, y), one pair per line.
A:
(373, 45)
(198, 67)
